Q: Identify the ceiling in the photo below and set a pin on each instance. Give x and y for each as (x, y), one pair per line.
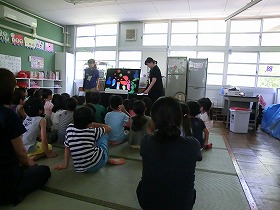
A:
(65, 13)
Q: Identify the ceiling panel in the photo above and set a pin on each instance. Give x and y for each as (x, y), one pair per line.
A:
(137, 10)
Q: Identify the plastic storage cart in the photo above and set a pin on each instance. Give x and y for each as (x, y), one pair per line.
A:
(239, 119)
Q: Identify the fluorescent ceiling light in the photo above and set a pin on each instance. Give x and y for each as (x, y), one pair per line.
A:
(252, 3)
(87, 1)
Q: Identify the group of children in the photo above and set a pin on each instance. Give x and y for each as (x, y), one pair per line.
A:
(169, 133)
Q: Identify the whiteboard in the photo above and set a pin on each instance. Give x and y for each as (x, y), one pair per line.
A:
(12, 63)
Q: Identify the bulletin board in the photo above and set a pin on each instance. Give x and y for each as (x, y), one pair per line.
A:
(12, 63)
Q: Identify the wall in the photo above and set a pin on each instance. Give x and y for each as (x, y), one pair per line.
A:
(44, 29)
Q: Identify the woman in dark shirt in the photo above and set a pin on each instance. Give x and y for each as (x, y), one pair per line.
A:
(169, 161)
(155, 89)
(19, 175)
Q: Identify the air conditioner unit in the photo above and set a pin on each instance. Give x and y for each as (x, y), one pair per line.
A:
(130, 34)
(17, 17)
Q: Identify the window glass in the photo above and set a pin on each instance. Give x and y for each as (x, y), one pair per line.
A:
(155, 40)
(271, 24)
(269, 70)
(271, 39)
(212, 26)
(213, 79)
(80, 66)
(130, 55)
(184, 27)
(245, 69)
(130, 64)
(183, 39)
(106, 41)
(211, 39)
(244, 40)
(245, 81)
(105, 55)
(189, 54)
(269, 82)
(215, 68)
(269, 57)
(245, 26)
(86, 31)
(85, 42)
(212, 56)
(84, 55)
(240, 57)
(155, 28)
(106, 29)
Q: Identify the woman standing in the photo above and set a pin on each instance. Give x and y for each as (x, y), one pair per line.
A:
(91, 80)
(155, 89)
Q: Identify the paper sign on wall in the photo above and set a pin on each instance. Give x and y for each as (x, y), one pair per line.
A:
(17, 39)
(4, 36)
(49, 47)
(36, 62)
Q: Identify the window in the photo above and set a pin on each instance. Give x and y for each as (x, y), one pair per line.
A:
(269, 57)
(215, 68)
(242, 69)
(130, 59)
(214, 79)
(106, 41)
(189, 54)
(106, 29)
(271, 25)
(184, 27)
(86, 31)
(211, 26)
(269, 82)
(212, 56)
(155, 34)
(85, 42)
(245, 26)
(183, 40)
(244, 81)
(81, 63)
(106, 35)
(240, 57)
(211, 39)
(244, 40)
(269, 70)
(271, 39)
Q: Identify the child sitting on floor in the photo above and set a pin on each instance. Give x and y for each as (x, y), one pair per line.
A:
(86, 142)
(35, 124)
(199, 130)
(206, 113)
(116, 119)
(100, 113)
(140, 123)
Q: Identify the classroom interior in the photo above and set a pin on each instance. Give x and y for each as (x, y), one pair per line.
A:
(55, 42)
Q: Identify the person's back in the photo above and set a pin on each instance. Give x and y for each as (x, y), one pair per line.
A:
(100, 113)
(116, 120)
(199, 129)
(169, 161)
(66, 117)
(140, 123)
(206, 114)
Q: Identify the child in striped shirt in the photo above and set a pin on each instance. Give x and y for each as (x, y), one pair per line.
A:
(86, 142)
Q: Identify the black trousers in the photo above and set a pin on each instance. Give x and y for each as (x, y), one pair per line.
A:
(18, 182)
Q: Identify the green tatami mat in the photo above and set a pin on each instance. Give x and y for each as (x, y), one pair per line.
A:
(219, 192)
(216, 160)
(53, 161)
(48, 201)
(113, 184)
(217, 140)
(124, 150)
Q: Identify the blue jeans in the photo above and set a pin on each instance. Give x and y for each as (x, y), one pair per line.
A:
(103, 143)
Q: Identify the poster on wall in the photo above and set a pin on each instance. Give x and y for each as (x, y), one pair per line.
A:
(4, 36)
(12, 63)
(36, 62)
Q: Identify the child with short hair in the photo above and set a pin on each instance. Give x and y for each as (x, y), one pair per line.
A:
(139, 125)
(169, 161)
(35, 124)
(95, 98)
(206, 113)
(116, 119)
(86, 142)
(18, 102)
(81, 101)
(128, 104)
(198, 127)
(66, 118)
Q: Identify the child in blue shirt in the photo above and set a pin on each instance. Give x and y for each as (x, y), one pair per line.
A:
(116, 120)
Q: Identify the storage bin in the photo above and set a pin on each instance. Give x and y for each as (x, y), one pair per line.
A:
(239, 119)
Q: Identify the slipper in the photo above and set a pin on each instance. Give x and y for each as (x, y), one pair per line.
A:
(208, 146)
(116, 161)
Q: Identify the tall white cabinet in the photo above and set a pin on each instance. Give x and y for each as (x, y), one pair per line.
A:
(64, 62)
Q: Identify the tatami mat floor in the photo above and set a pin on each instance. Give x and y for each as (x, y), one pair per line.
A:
(113, 187)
